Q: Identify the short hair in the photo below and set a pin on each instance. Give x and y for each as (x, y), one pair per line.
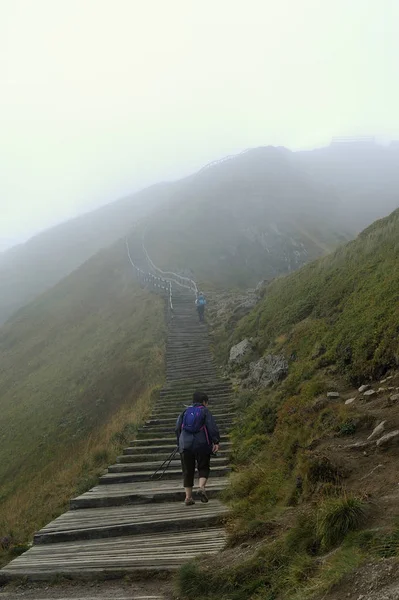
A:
(200, 397)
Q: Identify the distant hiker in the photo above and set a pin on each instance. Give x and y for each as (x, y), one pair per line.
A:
(197, 437)
(200, 304)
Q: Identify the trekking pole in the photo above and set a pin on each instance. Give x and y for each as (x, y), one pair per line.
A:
(165, 465)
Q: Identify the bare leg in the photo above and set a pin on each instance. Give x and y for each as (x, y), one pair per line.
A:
(189, 492)
(202, 482)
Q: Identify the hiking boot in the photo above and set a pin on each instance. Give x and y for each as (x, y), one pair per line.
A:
(203, 496)
(189, 501)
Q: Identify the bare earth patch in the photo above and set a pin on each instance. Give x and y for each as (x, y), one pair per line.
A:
(107, 590)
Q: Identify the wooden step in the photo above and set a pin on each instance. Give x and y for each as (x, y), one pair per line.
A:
(136, 467)
(141, 493)
(115, 521)
(167, 448)
(167, 440)
(218, 411)
(114, 557)
(158, 457)
(110, 478)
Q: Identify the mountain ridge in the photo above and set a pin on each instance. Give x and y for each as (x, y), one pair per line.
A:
(302, 183)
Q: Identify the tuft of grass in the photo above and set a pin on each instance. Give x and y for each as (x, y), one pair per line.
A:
(383, 544)
(339, 516)
(347, 428)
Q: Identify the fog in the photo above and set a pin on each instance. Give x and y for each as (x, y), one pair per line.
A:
(99, 98)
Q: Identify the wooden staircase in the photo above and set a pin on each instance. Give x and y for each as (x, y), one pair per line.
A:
(131, 523)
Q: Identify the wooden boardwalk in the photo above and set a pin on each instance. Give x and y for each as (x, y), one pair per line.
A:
(131, 524)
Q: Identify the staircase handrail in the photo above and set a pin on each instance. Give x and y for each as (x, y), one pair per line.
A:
(154, 279)
(170, 275)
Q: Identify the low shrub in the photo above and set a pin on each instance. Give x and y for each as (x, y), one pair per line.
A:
(337, 517)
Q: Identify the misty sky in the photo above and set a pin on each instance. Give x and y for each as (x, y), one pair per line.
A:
(101, 97)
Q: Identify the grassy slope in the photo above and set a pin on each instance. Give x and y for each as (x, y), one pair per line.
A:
(345, 305)
(29, 269)
(348, 301)
(77, 369)
(255, 216)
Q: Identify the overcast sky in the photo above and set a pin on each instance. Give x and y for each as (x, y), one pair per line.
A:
(102, 97)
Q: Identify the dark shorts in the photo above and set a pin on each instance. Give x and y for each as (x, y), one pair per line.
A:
(189, 460)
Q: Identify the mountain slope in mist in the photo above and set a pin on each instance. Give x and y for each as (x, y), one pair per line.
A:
(29, 269)
(259, 214)
(77, 368)
(254, 216)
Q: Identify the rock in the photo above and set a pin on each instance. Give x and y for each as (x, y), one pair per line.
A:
(377, 431)
(363, 388)
(241, 310)
(388, 439)
(393, 399)
(240, 352)
(380, 390)
(256, 371)
(383, 381)
(333, 395)
(358, 445)
(350, 400)
(319, 404)
(369, 393)
(261, 286)
(267, 370)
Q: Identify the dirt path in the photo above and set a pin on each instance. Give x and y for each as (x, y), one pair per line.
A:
(108, 590)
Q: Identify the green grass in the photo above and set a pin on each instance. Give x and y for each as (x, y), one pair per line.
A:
(282, 489)
(78, 367)
(347, 302)
(292, 565)
(338, 517)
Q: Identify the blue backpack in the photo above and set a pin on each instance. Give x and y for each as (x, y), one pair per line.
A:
(201, 301)
(194, 419)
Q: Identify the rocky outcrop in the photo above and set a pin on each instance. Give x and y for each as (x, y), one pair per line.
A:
(243, 308)
(388, 439)
(364, 388)
(267, 370)
(393, 399)
(377, 431)
(240, 353)
(350, 400)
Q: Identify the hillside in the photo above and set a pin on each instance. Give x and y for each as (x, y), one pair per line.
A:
(254, 216)
(78, 366)
(29, 269)
(314, 497)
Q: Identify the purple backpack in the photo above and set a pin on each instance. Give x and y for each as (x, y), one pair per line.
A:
(194, 419)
